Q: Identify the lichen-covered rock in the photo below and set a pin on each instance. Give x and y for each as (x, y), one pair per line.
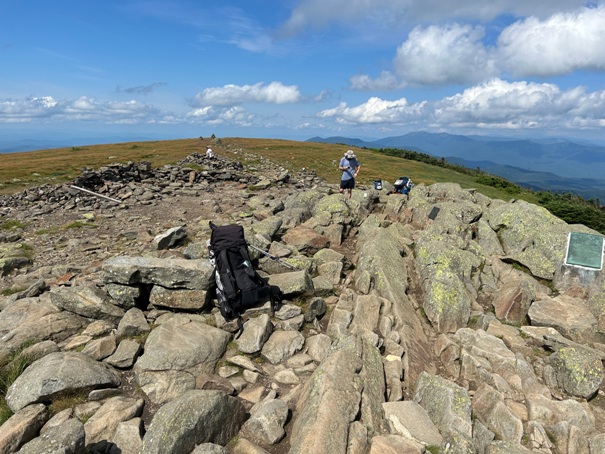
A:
(194, 418)
(448, 405)
(57, 373)
(576, 372)
(446, 270)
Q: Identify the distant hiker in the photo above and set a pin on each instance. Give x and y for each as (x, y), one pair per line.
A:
(209, 152)
(350, 167)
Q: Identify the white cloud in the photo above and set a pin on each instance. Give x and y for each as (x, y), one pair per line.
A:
(496, 104)
(25, 110)
(374, 110)
(235, 115)
(561, 44)
(457, 54)
(395, 13)
(385, 81)
(444, 55)
(231, 95)
(83, 108)
(517, 105)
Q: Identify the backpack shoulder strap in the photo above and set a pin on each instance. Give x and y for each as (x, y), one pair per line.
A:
(226, 273)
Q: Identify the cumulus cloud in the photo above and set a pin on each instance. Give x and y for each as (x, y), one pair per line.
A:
(440, 55)
(562, 43)
(231, 95)
(321, 13)
(82, 108)
(501, 104)
(444, 55)
(496, 104)
(374, 110)
(435, 55)
(234, 115)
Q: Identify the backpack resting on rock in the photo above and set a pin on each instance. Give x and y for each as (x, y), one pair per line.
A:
(403, 185)
(238, 284)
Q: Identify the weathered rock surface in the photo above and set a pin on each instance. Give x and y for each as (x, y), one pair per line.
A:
(462, 332)
(56, 373)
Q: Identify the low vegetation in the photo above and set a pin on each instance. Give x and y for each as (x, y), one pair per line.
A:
(9, 372)
(64, 164)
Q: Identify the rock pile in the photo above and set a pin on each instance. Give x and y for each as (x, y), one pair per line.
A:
(465, 333)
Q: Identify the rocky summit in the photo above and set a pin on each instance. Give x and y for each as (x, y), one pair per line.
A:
(441, 321)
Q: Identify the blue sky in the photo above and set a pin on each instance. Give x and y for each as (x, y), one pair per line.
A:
(295, 69)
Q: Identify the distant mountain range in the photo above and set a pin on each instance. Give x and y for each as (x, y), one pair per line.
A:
(559, 165)
(23, 144)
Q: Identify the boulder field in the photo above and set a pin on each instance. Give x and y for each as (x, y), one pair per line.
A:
(400, 332)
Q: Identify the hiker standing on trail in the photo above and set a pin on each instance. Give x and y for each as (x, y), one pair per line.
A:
(350, 167)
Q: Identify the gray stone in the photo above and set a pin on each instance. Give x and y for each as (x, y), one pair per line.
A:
(102, 426)
(266, 424)
(243, 446)
(56, 373)
(577, 373)
(125, 355)
(306, 240)
(490, 408)
(194, 418)
(315, 309)
(8, 264)
(170, 238)
(168, 273)
(175, 351)
(282, 345)
(128, 437)
(530, 235)
(68, 437)
(256, 332)
(321, 426)
(444, 269)
(288, 311)
(22, 427)
(34, 320)
(99, 349)
(447, 404)
(328, 255)
(571, 317)
(133, 324)
(186, 300)
(293, 283)
(394, 444)
(125, 296)
(87, 301)
(209, 448)
(318, 347)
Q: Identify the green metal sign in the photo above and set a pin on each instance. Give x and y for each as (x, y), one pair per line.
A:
(585, 249)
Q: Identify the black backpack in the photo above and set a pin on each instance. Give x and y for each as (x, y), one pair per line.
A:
(238, 284)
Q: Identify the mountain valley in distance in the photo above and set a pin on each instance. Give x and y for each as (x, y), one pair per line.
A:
(558, 165)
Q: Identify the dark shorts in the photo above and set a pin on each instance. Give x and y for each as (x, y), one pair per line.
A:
(347, 184)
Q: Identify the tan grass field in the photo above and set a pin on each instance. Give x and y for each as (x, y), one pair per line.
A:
(53, 166)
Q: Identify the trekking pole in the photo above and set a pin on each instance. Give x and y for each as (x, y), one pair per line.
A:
(272, 257)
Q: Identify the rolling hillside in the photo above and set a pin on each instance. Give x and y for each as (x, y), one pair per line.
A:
(557, 165)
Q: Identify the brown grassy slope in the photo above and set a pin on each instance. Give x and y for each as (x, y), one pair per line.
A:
(21, 170)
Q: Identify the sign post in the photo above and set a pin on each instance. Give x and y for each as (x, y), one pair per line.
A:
(584, 250)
